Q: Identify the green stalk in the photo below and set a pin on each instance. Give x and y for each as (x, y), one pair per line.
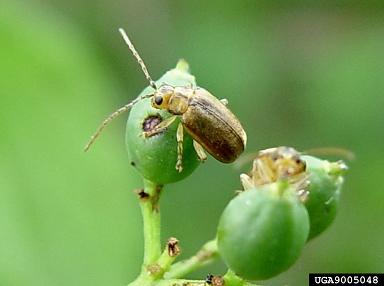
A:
(231, 279)
(149, 204)
(207, 254)
(150, 210)
(169, 255)
(180, 282)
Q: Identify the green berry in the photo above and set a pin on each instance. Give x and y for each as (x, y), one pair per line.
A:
(262, 231)
(155, 156)
(323, 192)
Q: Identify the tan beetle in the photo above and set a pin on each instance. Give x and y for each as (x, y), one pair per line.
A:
(209, 122)
(279, 163)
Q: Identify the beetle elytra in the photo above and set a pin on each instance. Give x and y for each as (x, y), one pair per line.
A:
(210, 123)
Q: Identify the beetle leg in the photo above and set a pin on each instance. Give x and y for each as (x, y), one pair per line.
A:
(262, 173)
(302, 186)
(200, 151)
(179, 138)
(160, 127)
(224, 101)
(246, 181)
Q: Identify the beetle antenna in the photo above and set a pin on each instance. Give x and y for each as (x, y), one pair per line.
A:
(138, 58)
(332, 151)
(111, 117)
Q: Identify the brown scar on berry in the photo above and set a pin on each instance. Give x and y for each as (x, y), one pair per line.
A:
(173, 247)
(150, 123)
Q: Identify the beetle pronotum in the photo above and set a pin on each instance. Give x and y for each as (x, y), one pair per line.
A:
(210, 123)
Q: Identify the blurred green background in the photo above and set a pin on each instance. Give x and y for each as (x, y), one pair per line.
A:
(299, 73)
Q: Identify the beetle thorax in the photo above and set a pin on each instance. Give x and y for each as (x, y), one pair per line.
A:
(173, 99)
(179, 101)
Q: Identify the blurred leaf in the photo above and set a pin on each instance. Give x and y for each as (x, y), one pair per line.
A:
(66, 218)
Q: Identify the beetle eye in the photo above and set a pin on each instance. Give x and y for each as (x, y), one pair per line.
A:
(158, 100)
(274, 157)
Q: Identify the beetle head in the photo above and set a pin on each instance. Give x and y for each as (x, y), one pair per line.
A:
(161, 97)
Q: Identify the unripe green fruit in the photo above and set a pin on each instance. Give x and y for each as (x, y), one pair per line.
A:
(323, 193)
(262, 231)
(155, 157)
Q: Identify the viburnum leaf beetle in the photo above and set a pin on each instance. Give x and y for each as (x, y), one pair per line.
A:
(207, 119)
(279, 163)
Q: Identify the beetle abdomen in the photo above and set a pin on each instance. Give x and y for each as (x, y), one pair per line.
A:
(214, 126)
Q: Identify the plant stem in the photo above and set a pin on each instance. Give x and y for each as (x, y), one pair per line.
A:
(231, 279)
(180, 282)
(207, 254)
(171, 251)
(150, 210)
(149, 203)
